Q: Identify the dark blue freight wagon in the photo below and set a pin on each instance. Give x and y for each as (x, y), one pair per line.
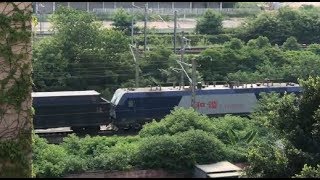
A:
(80, 110)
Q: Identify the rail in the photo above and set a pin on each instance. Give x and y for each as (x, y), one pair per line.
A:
(56, 137)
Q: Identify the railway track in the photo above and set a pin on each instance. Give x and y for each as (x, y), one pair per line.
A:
(56, 136)
(192, 50)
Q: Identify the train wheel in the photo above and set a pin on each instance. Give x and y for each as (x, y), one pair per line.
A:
(137, 126)
(93, 129)
(126, 127)
(78, 130)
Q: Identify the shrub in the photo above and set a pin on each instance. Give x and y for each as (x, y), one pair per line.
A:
(219, 39)
(51, 161)
(309, 172)
(241, 126)
(276, 159)
(209, 23)
(180, 120)
(266, 161)
(180, 151)
(119, 157)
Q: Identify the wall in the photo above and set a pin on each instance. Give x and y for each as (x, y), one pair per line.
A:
(15, 89)
(131, 174)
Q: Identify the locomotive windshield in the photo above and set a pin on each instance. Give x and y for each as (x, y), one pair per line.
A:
(117, 96)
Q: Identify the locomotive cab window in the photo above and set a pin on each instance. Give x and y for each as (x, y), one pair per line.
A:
(130, 103)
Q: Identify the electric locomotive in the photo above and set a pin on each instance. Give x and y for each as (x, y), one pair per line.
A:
(133, 107)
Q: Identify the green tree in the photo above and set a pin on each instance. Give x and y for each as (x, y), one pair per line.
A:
(279, 26)
(155, 61)
(300, 64)
(82, 57)
(209, 23)
(50, 66)
(122, 21)
(296, 120)
(291, 44)
(235, 44)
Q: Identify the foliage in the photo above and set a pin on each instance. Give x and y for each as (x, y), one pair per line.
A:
(281, 25)
(291, 44)
(187, 148)
(180, 120)
(315, 48)
(121, 156)
(155, 61)
(50, 67)
(267, 160)
(77, 155)
(122, 21)
(209, 23)
(83, 57)
(256, 61)
(15, 89)
(309, 172)
(184, 136)
(295, 120)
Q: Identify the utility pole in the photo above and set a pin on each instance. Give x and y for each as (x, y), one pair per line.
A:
(182, 54)
(132, 31)
(41, 15)
(193, 98)
(136, 67)
(175, 31)
(145, 26)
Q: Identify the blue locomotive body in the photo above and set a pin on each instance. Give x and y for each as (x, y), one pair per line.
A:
(138, 105)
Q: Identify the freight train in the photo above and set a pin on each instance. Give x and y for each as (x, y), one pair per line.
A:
(132, 107)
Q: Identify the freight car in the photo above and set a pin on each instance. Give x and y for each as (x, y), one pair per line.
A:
(134, 107)
(80, 110)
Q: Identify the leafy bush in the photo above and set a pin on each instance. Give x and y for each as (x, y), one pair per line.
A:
(266, 161)
(309, 172)
(241, 127)
(219, 39)
(79, 154)
(291, 44)
(50, 161)
(181, 150)
(92, 146)
(281, 25)
(209, 23)
(122, 156)
(275, 159)
(180, 120)
(122, 21)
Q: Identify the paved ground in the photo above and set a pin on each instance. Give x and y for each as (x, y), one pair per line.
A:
(182, 23)
(298, 4)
